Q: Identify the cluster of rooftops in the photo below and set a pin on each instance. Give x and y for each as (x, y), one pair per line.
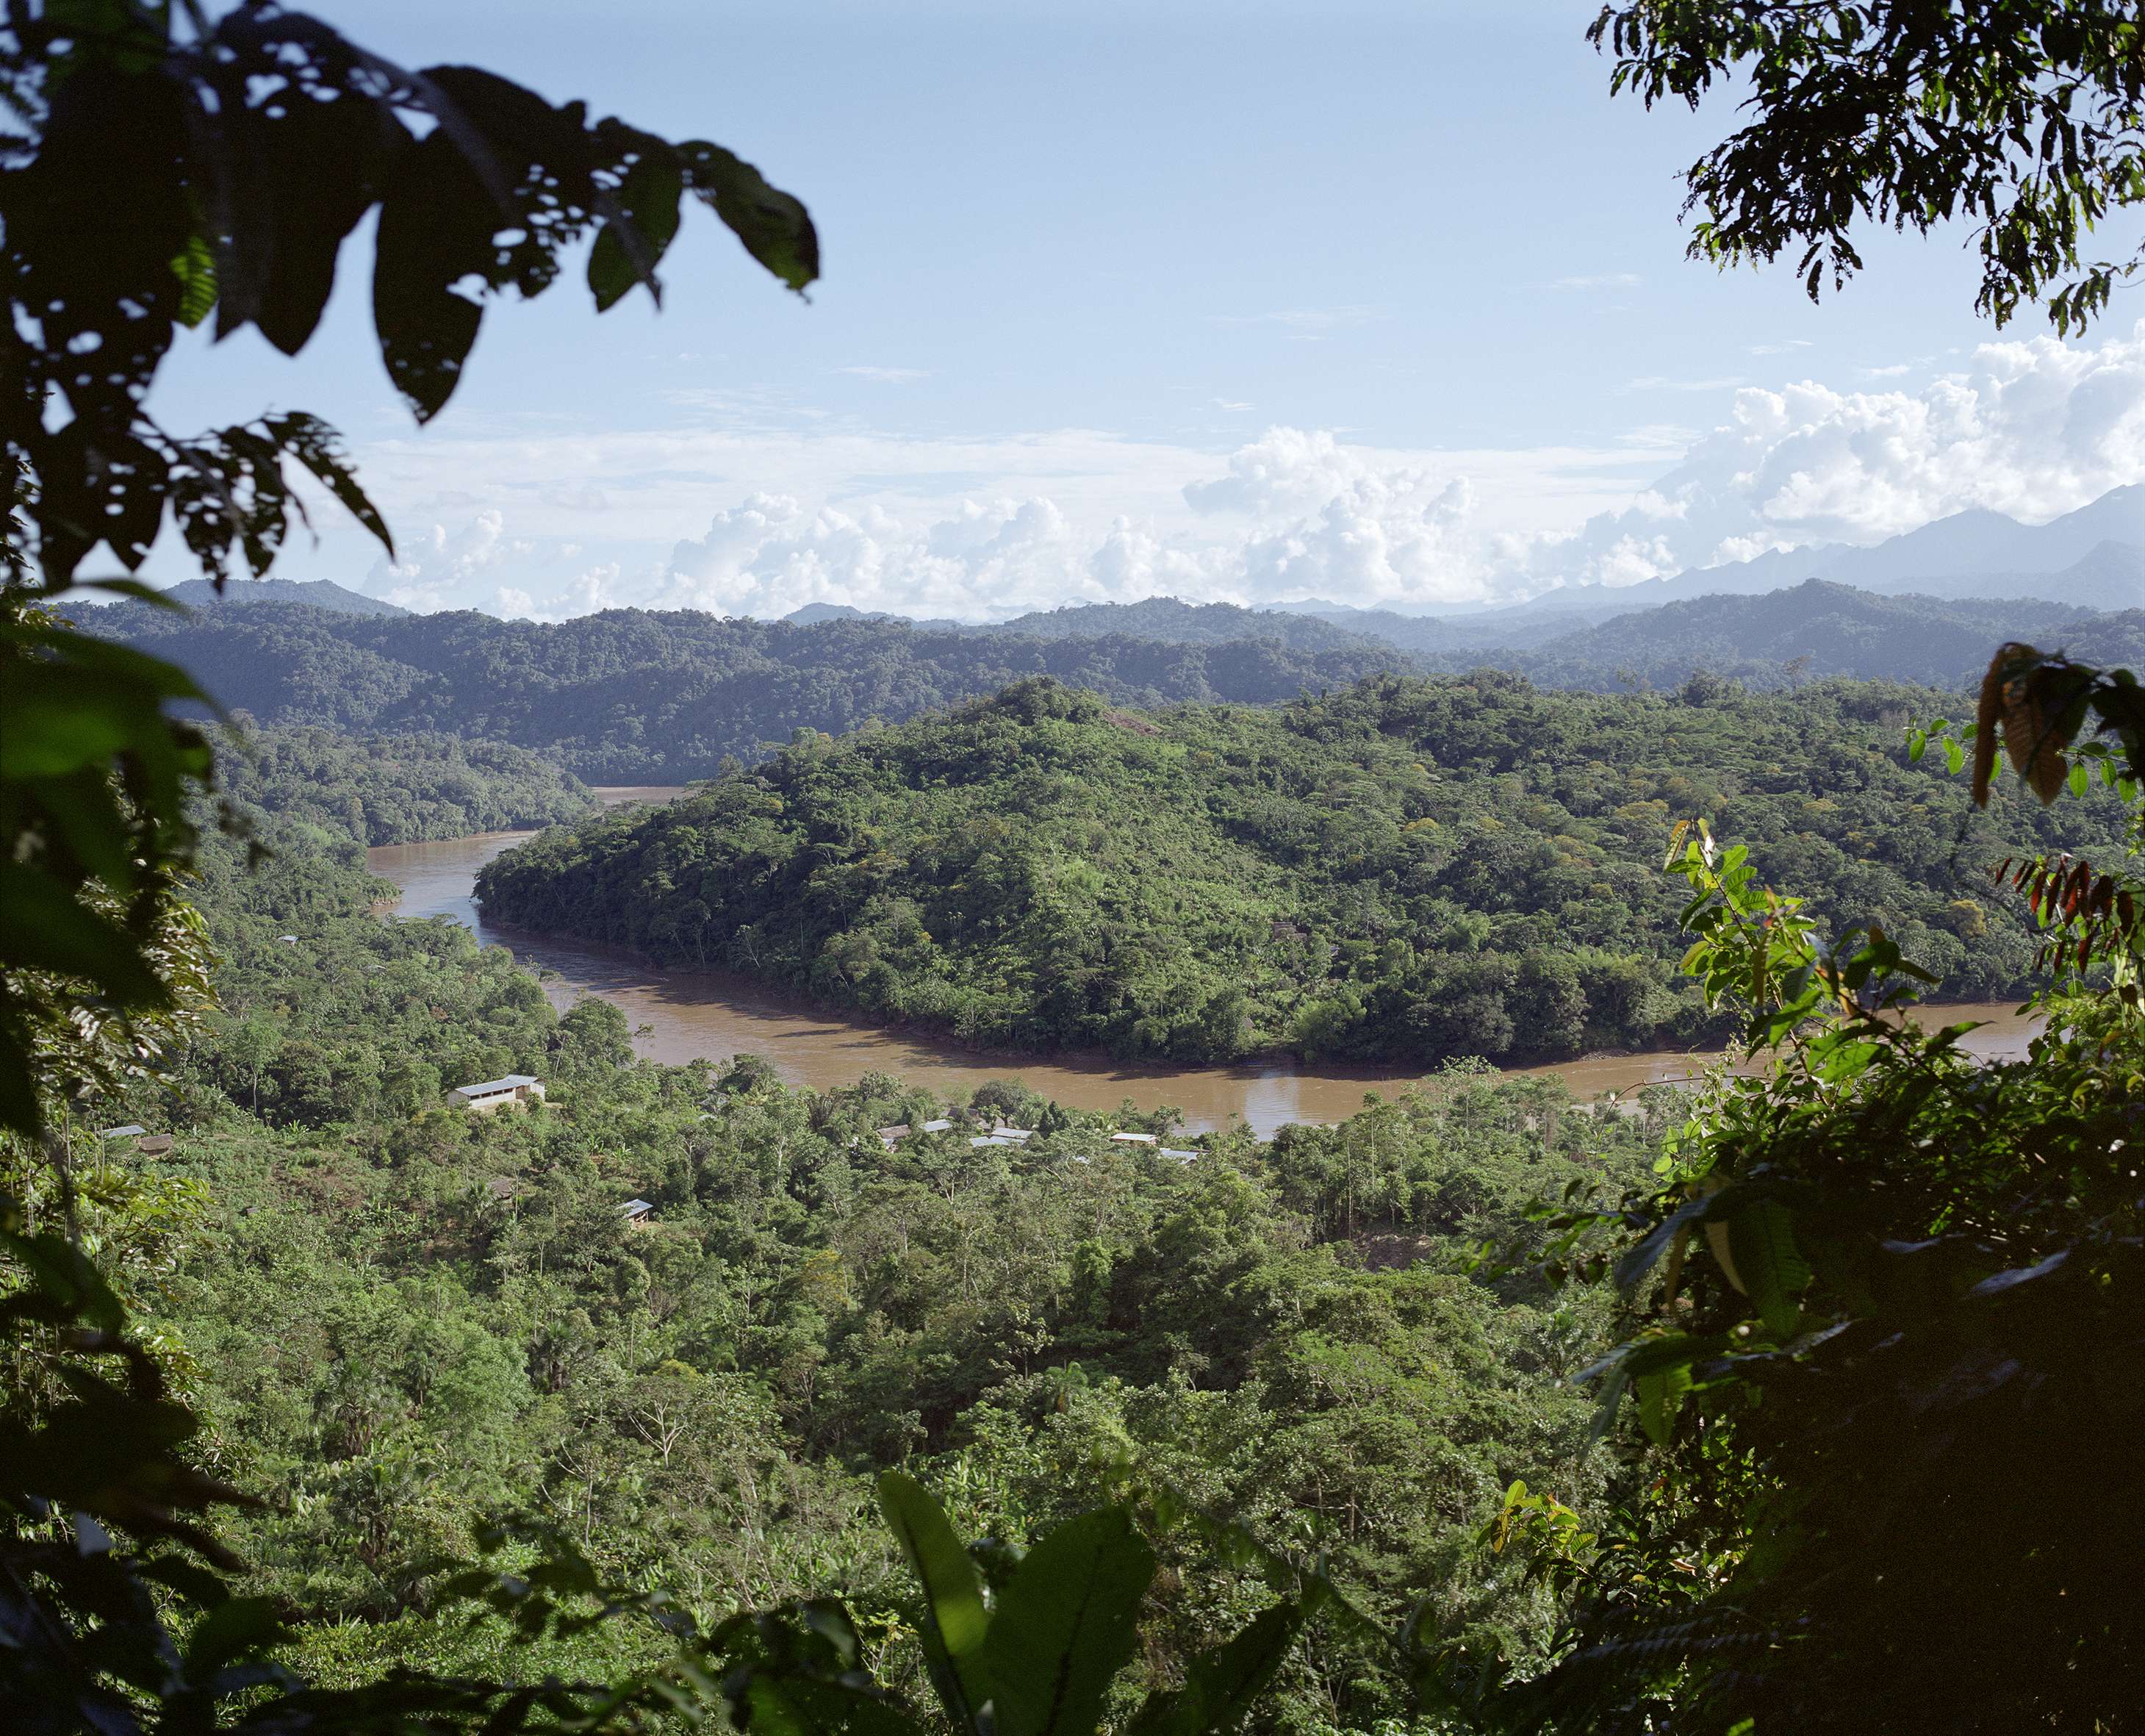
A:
(518, 1088)
(890, 1137)
(494, 1093)
(637, 1213)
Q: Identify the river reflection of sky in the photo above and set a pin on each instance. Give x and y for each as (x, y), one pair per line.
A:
(692, 1015)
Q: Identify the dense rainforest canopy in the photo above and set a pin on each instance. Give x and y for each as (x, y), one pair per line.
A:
(1408, 869)
(397, 1318)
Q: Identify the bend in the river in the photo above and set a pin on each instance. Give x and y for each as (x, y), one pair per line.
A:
(694, 1014)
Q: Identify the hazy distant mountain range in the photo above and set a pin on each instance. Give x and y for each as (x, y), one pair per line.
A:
(320, 593)
(2092, 558)
(1938, 640)
(631, 695)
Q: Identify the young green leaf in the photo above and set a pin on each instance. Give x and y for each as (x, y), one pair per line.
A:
(1762, 1238)
(954, 1600)
(1659, 1394)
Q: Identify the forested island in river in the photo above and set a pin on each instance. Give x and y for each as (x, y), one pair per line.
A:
(1408, 869)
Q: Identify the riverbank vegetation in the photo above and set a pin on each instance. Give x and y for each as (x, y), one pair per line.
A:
(1406, 869)
(394, 789)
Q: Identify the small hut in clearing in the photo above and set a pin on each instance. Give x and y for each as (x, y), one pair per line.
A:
(491, 1093)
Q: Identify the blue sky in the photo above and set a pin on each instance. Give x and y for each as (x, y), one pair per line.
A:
(1378, 302)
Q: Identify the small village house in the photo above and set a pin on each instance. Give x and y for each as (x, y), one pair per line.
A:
(491, 1093)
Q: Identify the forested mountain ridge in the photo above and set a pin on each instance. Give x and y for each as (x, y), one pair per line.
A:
(1407, 868)
(242, 593)
(1181, 623)
(632, 696)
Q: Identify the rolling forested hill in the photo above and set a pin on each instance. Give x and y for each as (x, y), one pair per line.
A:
(631, 696)
(1924, 639)
(1408, 869)
(1181, 623)
(396, 789)
(634, 697)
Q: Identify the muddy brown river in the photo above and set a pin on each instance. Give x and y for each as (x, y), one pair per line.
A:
(711, 1014)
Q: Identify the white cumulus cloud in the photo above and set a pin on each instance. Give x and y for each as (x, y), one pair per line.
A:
(2034, 428)
(761, 521)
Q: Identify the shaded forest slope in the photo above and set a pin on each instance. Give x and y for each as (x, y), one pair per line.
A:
(396, 789)
(632, 696)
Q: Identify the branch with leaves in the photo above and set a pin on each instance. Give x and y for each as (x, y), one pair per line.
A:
(2026, 118)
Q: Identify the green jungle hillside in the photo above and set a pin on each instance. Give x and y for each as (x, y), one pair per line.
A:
(1407, 869)
(394, 789)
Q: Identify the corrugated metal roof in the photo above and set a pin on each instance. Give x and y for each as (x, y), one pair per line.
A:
(493, 1087)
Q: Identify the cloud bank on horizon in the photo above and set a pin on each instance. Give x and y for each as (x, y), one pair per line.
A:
(761, 520)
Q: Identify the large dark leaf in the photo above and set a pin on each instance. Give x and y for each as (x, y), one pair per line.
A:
(92, 227)
(328, 163)
(1221, 1686)
(1066, 1625)
(435, 229)
(774, 227)
(645, 216)
(954, 1600)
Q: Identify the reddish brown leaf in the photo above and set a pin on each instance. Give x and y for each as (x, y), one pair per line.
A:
(1985, 716)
